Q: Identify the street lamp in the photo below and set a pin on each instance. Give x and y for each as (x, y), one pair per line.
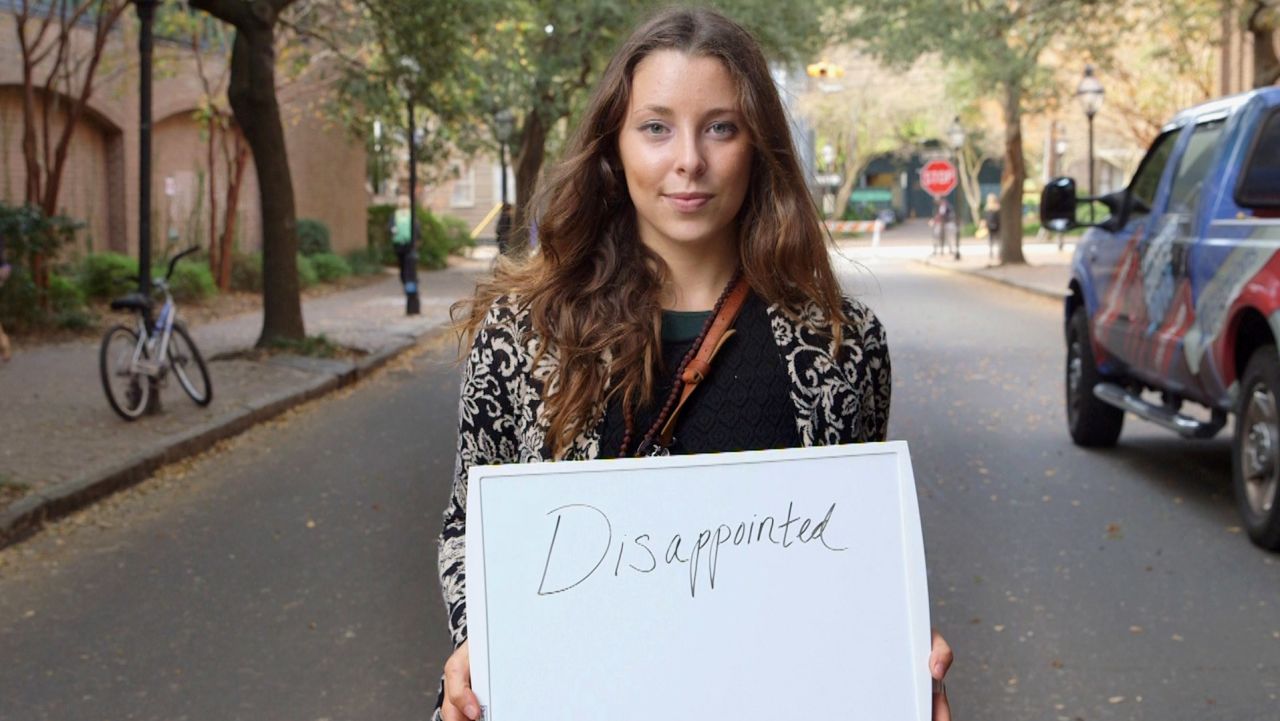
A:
(146, 15)
(504, 123)
(409, 261)
(1090, 93)
(956, 136)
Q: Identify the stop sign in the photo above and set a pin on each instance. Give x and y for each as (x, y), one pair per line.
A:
(938, 177)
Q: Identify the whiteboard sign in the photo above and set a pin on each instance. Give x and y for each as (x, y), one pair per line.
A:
(758, 585)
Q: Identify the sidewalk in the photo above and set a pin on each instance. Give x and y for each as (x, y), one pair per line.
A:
(63, 447)
(1046, 272)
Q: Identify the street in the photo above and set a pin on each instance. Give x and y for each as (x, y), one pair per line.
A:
(290, 573)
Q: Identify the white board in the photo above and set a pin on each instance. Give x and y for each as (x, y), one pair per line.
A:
(570, 617)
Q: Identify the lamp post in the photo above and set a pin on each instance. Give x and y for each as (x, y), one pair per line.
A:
(1090, 93)
(956, 136)
(146, 15)
(409, 261)
(504, 124)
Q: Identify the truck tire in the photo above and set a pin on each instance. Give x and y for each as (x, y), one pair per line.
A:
(1093, 424)
(1255, 448)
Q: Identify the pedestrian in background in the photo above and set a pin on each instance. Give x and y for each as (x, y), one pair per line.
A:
(402, 237)
(942, 222)
(991, 216)
(679, 203)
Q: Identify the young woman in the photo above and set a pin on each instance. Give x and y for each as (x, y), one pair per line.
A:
(680, 185)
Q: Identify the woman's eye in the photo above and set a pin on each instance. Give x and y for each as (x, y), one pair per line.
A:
(723, 129)
(653, 129)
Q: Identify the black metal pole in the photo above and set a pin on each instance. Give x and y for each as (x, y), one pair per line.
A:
(412, 304)
(1092, 189)
(503, 227)
(146, 14)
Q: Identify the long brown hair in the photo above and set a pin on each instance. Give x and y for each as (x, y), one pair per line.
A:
(593, 289)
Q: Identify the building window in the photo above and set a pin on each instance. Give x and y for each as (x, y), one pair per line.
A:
(497, 184)
(464, 187)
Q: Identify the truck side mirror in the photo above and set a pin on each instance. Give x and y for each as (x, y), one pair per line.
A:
(1058, 205)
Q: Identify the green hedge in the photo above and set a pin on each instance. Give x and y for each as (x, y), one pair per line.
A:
(364, 262)
(192, 281)
(307, 275)
(330, 267)
(103, 276)
(313, 237)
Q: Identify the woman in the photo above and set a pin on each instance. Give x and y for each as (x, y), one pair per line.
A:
(680, 183)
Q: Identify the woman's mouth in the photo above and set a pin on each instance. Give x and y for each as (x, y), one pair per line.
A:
(688, 202)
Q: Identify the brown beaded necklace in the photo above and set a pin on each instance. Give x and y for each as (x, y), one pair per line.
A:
(628, 414)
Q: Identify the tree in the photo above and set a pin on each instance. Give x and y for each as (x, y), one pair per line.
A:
(1001, 44)
(864, 115)
(1174, 40)
(58, 73)
(1264, 22)
(251, 91)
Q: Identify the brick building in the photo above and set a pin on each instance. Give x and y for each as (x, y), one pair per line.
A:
(100, 184)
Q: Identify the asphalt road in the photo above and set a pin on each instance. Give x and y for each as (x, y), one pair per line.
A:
(290, 574)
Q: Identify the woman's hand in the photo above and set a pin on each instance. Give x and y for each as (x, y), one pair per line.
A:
(460, 704)
(940, 659)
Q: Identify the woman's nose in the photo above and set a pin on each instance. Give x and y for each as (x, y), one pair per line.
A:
(690, 159)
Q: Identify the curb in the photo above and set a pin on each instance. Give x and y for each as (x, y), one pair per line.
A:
(1020, 285)
(25, 517)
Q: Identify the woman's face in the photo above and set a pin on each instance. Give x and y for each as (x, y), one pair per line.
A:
(685, 151)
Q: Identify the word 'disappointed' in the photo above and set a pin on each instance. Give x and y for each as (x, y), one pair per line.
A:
(695, 552)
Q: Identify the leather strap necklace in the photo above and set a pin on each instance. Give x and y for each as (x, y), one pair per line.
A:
(693, 369)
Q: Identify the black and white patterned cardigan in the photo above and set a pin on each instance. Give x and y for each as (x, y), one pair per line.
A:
(501, 419)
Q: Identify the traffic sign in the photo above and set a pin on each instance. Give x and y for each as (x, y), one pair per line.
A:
(938, 177)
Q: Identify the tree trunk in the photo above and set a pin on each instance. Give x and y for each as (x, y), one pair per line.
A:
(533, 141)
(1015, 172)
(1263, 24)
(252, 93)
(234, 184)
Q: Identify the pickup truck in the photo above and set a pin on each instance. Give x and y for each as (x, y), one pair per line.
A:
(1174, 297)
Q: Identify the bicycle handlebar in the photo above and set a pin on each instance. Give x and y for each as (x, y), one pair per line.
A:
(174, 261)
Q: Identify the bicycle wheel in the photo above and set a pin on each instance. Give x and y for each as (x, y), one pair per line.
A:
(127, 388)
(188, 365)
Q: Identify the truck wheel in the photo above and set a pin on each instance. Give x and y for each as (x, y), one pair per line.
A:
(1093, 424)
(1255, 448)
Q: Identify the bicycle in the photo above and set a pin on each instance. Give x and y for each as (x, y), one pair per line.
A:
(135, 362)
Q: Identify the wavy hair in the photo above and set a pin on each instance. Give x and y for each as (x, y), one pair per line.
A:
(593, 289)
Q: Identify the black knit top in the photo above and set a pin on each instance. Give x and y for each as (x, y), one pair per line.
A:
(743, 404)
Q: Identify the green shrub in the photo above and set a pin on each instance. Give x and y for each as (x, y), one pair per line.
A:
(330, 267)
(192, 282)
(458, 234)
(364, 262)
(106, 275)
(246, 272)
(313, 237)
(64, 295)
(20, 301)
(378, 233)
(307, 275)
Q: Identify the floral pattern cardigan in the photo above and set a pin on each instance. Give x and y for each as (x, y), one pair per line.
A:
(501, 419)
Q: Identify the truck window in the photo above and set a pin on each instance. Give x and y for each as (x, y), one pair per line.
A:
(1260, 182)
(1142, 191)
(1194, 166)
